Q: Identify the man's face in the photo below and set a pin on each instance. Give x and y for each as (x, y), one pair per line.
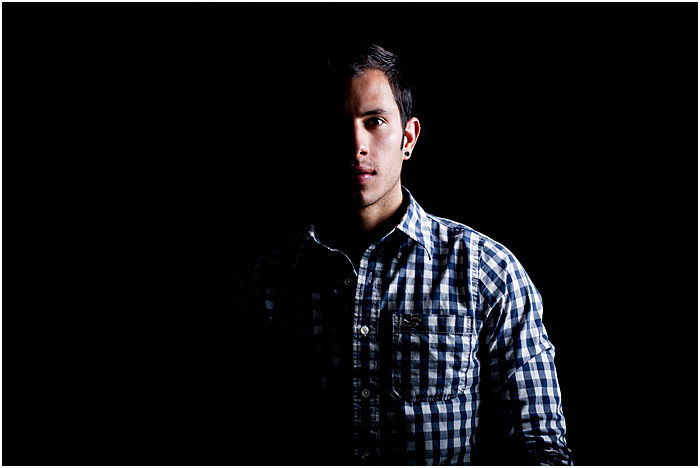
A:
(377, 134)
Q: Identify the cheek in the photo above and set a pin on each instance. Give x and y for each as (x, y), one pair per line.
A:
(392, 163)
(389, 146)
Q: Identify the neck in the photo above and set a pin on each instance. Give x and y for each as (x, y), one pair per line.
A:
(377, 218)
(355, 232)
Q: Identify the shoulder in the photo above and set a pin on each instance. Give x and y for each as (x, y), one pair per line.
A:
(494, 259)
(446, 230)
(501, 278)
(272, 265)
(490, 249)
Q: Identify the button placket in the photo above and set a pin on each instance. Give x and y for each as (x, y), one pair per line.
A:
(372, 381)
(365, 401)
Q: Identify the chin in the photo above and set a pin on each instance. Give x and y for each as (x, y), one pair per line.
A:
(362, 198)
(365, 198)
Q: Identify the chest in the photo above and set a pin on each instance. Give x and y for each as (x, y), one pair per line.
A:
(331, 304)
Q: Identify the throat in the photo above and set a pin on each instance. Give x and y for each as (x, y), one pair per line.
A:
(382, 215)
(355, 240)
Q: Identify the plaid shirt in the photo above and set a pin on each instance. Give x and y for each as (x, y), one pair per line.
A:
(434, 315)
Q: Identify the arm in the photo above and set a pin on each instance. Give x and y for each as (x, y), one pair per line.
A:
(250, 400)
(520, 360)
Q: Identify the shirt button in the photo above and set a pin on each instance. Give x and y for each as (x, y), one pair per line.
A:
(364, 330)
(365, 393)
(349, 281)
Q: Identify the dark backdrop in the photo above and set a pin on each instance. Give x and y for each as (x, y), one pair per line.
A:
(152, 149)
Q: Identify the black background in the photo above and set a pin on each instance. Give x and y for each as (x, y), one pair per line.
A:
(152, 149)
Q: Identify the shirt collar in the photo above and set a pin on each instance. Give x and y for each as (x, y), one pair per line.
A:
(415, 223)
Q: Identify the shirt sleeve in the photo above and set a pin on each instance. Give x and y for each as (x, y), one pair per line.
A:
(251, 316)
(519, 360)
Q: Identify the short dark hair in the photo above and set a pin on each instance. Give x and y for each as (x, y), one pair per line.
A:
(350, 61)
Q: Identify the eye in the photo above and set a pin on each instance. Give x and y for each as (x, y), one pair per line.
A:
(374, 122)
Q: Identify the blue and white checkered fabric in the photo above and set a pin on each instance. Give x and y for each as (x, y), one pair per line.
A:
(432, 309)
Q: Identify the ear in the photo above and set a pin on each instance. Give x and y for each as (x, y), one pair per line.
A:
(410, 137)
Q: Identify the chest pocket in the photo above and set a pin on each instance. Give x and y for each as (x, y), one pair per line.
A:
(431, 355)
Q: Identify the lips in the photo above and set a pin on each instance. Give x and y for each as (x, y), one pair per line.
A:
(363, 170)
(362, 175)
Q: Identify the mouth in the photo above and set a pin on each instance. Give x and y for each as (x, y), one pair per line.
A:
(362, 175)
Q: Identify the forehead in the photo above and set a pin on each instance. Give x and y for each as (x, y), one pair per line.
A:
(370, 91)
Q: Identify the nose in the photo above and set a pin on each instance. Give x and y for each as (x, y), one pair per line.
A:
(361, 140)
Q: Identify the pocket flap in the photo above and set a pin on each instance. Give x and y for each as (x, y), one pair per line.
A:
(440, 324)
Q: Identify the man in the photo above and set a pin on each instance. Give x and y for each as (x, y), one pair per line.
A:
(383, 334)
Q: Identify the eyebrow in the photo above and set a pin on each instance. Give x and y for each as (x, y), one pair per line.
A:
(374, 112)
